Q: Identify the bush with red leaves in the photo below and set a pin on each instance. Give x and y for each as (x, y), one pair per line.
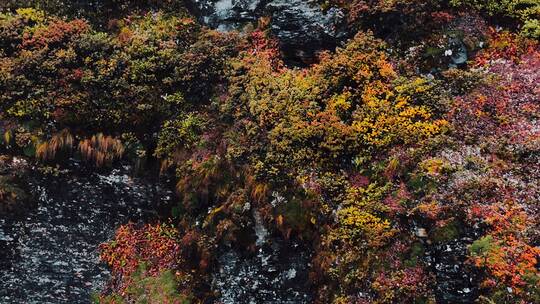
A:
(156, 246)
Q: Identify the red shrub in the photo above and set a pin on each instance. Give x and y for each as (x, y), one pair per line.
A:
(55, 33)
(154, 245)
(506, 45)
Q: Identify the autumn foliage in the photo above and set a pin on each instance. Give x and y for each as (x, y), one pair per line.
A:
(408, 154)
(154, 245)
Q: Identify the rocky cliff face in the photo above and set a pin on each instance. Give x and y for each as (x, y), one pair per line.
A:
(302, 27)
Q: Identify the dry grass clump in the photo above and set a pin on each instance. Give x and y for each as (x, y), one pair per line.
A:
(60, 141)
(101, 149)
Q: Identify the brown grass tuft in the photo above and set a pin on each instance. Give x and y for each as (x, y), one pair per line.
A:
(101, 149)
(62, 140)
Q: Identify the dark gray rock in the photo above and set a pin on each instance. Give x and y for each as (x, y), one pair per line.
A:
(459, 52)
(301, 26)
(50, 254)
(227, 15)
(456, 280)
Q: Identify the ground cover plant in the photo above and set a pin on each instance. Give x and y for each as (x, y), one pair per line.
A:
(407, 138)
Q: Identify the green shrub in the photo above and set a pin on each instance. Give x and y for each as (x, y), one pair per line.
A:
(526, 11)
(146, 289)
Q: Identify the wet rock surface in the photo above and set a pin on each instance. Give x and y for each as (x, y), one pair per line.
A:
(277, 273)
(50, 254)
(456, 282)
(301, 26)
(13, 190)
(226, 15)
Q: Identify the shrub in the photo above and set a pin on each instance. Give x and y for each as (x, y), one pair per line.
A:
(162, 288)
(526, 11)
(154, 246)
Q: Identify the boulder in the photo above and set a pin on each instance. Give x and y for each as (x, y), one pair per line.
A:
(301, 26)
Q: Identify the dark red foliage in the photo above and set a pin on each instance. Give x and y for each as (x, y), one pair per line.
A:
(55, 34)
(154, 246)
